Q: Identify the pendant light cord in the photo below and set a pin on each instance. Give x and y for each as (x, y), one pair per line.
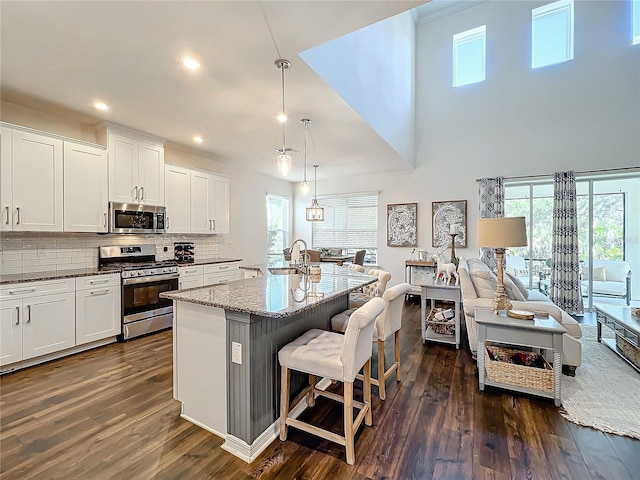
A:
(284, 115)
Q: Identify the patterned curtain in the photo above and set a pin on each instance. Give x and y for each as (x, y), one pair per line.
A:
(565, 271)
(491, 195)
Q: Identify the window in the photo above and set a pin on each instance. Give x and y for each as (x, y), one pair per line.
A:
(635, 14)
(469, 56)
(552, 33)
(351, 223)
(278, 226)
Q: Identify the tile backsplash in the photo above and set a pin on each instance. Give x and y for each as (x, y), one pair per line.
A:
(47, 252)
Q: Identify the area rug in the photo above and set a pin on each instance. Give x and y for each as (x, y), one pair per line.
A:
(605, 393)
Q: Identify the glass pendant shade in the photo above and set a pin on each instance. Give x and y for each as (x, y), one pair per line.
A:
(315, 213)
(305, 188)
(284, 164)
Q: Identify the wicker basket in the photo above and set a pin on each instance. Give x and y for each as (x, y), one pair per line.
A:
(630, 352)
(443, 327)
(518, 375)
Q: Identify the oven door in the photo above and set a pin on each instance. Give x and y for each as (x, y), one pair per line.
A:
(141, 297)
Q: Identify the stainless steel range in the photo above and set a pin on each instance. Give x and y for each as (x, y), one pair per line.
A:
(143, 280)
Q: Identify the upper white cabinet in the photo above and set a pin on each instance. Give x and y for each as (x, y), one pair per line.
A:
(85, 188)
(177, 188)
(32, 181)
(209, 202)
(136, 167)
(197, 201)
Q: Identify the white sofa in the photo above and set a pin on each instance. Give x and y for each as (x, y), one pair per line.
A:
(477, 283)
(611, 278)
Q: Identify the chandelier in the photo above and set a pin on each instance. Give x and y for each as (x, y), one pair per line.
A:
(315, 213)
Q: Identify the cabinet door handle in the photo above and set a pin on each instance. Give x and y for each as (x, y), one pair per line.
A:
(104, 223)
(24, 290)
(18, 220)
(136, 190)
(17, 315)
(98, 282)
(99, 292)
(223, 268)
(209, 224)
(7, 210)
(214, 224)
(168, 223)
(28, 313)
(141, 193)
(190, 271)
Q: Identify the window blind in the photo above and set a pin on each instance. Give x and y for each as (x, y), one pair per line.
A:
(351, 222)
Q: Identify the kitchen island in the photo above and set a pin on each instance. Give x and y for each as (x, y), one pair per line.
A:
(226, 340)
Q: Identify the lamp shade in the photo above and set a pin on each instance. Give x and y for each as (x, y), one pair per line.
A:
(502, 232)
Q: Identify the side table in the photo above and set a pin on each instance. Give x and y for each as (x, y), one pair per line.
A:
(440, 292)
(540, 332)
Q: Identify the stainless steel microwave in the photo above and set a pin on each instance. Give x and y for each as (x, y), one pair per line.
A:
(133, 218)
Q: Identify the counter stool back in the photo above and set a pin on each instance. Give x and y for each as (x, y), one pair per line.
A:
(338, 357)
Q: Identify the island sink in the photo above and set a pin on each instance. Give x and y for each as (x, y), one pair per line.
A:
(285, 270)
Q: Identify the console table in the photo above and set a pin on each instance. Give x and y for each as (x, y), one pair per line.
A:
(540, 332)
(626, 328)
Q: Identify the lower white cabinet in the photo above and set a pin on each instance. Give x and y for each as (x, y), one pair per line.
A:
(221, 273)
(190, 277)
(98, 308)
(37, 318)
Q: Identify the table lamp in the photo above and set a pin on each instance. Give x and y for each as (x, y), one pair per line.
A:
(500, 234)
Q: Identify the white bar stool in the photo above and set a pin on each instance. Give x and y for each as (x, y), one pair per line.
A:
(320, 353)
(387, 324)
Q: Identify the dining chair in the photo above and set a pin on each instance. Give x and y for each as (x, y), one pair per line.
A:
(359, 257)
(335, 356)
(388, 324)
(314, 255)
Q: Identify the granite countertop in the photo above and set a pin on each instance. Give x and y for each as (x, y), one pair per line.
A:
(53, 275)
(209, 261)
(276, 296)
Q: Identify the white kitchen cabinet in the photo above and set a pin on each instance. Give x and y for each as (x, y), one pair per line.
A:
(10, 332)
(42, 314)
(32, 182)
(209, 202)
(86, 197)
(191, 276)
(177, 194)
(202, 201)
(220, 204)
(136, 167)
(6, 188)
(98, 308)
(221, 273)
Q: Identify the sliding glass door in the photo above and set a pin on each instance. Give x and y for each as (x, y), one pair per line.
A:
(608, 231)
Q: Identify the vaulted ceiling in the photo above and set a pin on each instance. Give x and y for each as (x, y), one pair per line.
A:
(61, 56)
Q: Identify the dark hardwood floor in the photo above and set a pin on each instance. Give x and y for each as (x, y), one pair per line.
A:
(109, 414)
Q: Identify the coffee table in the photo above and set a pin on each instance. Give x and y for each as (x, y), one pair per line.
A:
(626, 328)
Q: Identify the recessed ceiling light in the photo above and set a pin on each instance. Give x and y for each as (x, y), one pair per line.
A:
(282, 118)
(101, 106)
(198, 139)
(190, 62)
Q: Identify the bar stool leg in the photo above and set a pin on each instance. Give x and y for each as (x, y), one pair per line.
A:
(348, 422)
(397, 351)
(284, 401)
(381, 385)
(368, 419)
(311, 398)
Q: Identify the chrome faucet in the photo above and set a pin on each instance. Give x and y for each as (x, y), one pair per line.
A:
(306, 260)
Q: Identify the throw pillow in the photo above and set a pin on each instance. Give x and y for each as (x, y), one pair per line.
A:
(515, 288)
(599, 274)
(484, 281)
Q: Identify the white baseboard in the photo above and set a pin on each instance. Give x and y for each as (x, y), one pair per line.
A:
(202, 425)
(249, 453)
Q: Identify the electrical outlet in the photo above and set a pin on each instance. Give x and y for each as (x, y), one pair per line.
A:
(236, 353)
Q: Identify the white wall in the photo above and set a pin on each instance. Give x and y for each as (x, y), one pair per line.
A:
(580, 115)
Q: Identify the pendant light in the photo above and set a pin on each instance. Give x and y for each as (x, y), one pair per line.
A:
(284, 159)
(315, 213)
(304, 186)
